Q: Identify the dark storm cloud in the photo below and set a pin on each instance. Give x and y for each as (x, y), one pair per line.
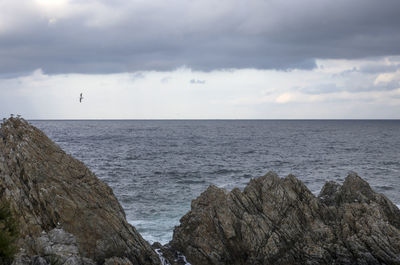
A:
(116, 36)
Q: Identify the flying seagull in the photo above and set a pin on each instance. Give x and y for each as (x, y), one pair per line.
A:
(80, 98)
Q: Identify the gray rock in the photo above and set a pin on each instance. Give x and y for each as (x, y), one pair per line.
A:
(22, 258)
(117, 261)
(328, 194)
(355, 191)
(73, 260)
(39, 261)
(59, 246)
(279, 221)
(49, 189)
(86, 261)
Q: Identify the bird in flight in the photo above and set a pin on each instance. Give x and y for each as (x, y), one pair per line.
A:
(80, 98)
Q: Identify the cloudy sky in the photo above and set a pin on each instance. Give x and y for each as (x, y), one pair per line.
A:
(157, 59)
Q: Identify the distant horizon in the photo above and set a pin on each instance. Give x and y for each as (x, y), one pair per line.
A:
(212, 119)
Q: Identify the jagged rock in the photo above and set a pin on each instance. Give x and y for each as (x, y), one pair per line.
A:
(22, 258)
(356, 190)
(48, 188)
(328, 193)
(279, 221)
(39, 261)
(56, 242)
(56, 247)
(117, 261)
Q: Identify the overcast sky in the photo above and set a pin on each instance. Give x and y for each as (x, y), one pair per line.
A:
(149, 59)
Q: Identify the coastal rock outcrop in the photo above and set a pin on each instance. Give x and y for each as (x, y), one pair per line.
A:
(67, 216)
(279, 221)
(63, 210)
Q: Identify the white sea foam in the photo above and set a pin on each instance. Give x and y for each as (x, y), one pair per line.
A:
(161, 256)
(184, 259)
(164, 261)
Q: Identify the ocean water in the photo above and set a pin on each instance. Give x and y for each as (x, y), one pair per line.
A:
(157, 167)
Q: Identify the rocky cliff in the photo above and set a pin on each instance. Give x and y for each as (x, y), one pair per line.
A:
(279, 221)
(64, 211)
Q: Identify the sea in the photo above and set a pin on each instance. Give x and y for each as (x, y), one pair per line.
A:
(157, 167)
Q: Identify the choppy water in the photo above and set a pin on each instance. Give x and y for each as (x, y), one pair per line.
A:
(157, 167)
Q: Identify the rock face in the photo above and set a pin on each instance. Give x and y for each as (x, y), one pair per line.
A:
(56, 196)
(56, 246)
(279, 221)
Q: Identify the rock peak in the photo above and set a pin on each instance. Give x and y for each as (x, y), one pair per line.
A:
(279, 221)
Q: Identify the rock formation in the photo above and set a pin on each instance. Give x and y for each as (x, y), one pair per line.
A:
(279, 221)
(64, 211)
(67, 216)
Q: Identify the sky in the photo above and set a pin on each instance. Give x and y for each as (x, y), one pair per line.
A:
(200, 59)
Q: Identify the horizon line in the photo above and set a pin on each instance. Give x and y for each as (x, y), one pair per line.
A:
(225, 119)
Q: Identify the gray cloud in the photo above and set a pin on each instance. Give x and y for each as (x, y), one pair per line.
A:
(321, 89)
(121, 36)
(137, 76)
(379, 68)
(196, 81)
(165, 79)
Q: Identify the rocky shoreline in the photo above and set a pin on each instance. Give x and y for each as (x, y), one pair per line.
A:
(67, 216)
